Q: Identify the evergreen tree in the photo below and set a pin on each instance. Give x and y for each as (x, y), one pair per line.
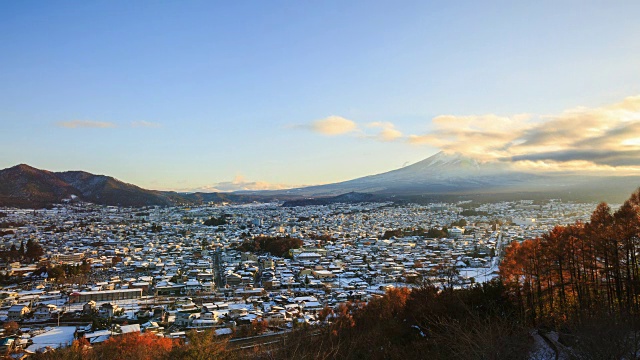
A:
(13, 252)
(34, 250)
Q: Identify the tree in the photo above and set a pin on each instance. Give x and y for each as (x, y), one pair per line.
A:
(201, 346)
(461, 223)
(214, 221)
(135, 346)
(13, 252)
(437, 233)
(115, 260)
(85, 267)
(585, 269)
(278, 246)
(10, 327)
(324, 313)
(391, 233)
(56, 272)
(34, 250)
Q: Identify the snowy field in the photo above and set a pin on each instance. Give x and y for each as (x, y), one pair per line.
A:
(55, 338)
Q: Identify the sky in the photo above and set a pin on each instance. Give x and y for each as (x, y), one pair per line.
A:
(226, 95)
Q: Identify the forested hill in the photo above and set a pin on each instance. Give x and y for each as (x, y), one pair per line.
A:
(27, 187)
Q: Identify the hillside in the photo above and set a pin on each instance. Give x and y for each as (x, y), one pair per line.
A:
(27, 187)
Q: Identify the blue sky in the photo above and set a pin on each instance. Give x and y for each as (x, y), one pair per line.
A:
(204, 94)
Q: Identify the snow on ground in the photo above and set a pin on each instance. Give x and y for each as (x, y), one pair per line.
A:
(56, 337)
(541, 350)
(479, 274)
(482, 274)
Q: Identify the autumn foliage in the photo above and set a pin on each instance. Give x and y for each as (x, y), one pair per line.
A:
(578, 270)
(135, 347)
(420, 323)
(131, 346)
(10, 327)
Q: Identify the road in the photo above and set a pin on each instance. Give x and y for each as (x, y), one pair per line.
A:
(270, 339)
(277, 338)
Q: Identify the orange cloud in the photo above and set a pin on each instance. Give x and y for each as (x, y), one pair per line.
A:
(239, 183)
(599, 138)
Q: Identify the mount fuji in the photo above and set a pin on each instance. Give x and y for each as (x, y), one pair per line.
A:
(456, 174)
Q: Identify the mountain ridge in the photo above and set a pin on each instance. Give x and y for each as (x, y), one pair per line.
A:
(453, 174)
(440, 176)
(24, 186)
(435, 174)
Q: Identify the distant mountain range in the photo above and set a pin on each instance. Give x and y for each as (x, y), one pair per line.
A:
(441, 177)
(27, 187)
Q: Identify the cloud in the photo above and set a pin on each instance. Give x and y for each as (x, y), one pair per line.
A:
(145, 124)
(239, 183)
(599, 157)
(333, 125)
(337, 125)
(388, 131)
(481, 136)
(601, 138)
(74, 124)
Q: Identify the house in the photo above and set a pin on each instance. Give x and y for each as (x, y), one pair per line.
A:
(312, 306)
(186, 319)
(456, 232)
(206, 320)
(17, 312)
(233, 279)
(170, 289)
(89, 307)
(108, 310)
(125, 329)
(323, 274)
(192, 286)
(308, 256)
(45, 312)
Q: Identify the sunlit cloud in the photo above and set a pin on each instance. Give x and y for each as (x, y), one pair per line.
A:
(585, 167)
(599, 139)
(481, 136)
(239, 183)
(74, 124)
(145, 124)
(338, 125)
(333, 125)
(387, 132)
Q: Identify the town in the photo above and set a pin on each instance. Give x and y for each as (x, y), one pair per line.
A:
(79, 270)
